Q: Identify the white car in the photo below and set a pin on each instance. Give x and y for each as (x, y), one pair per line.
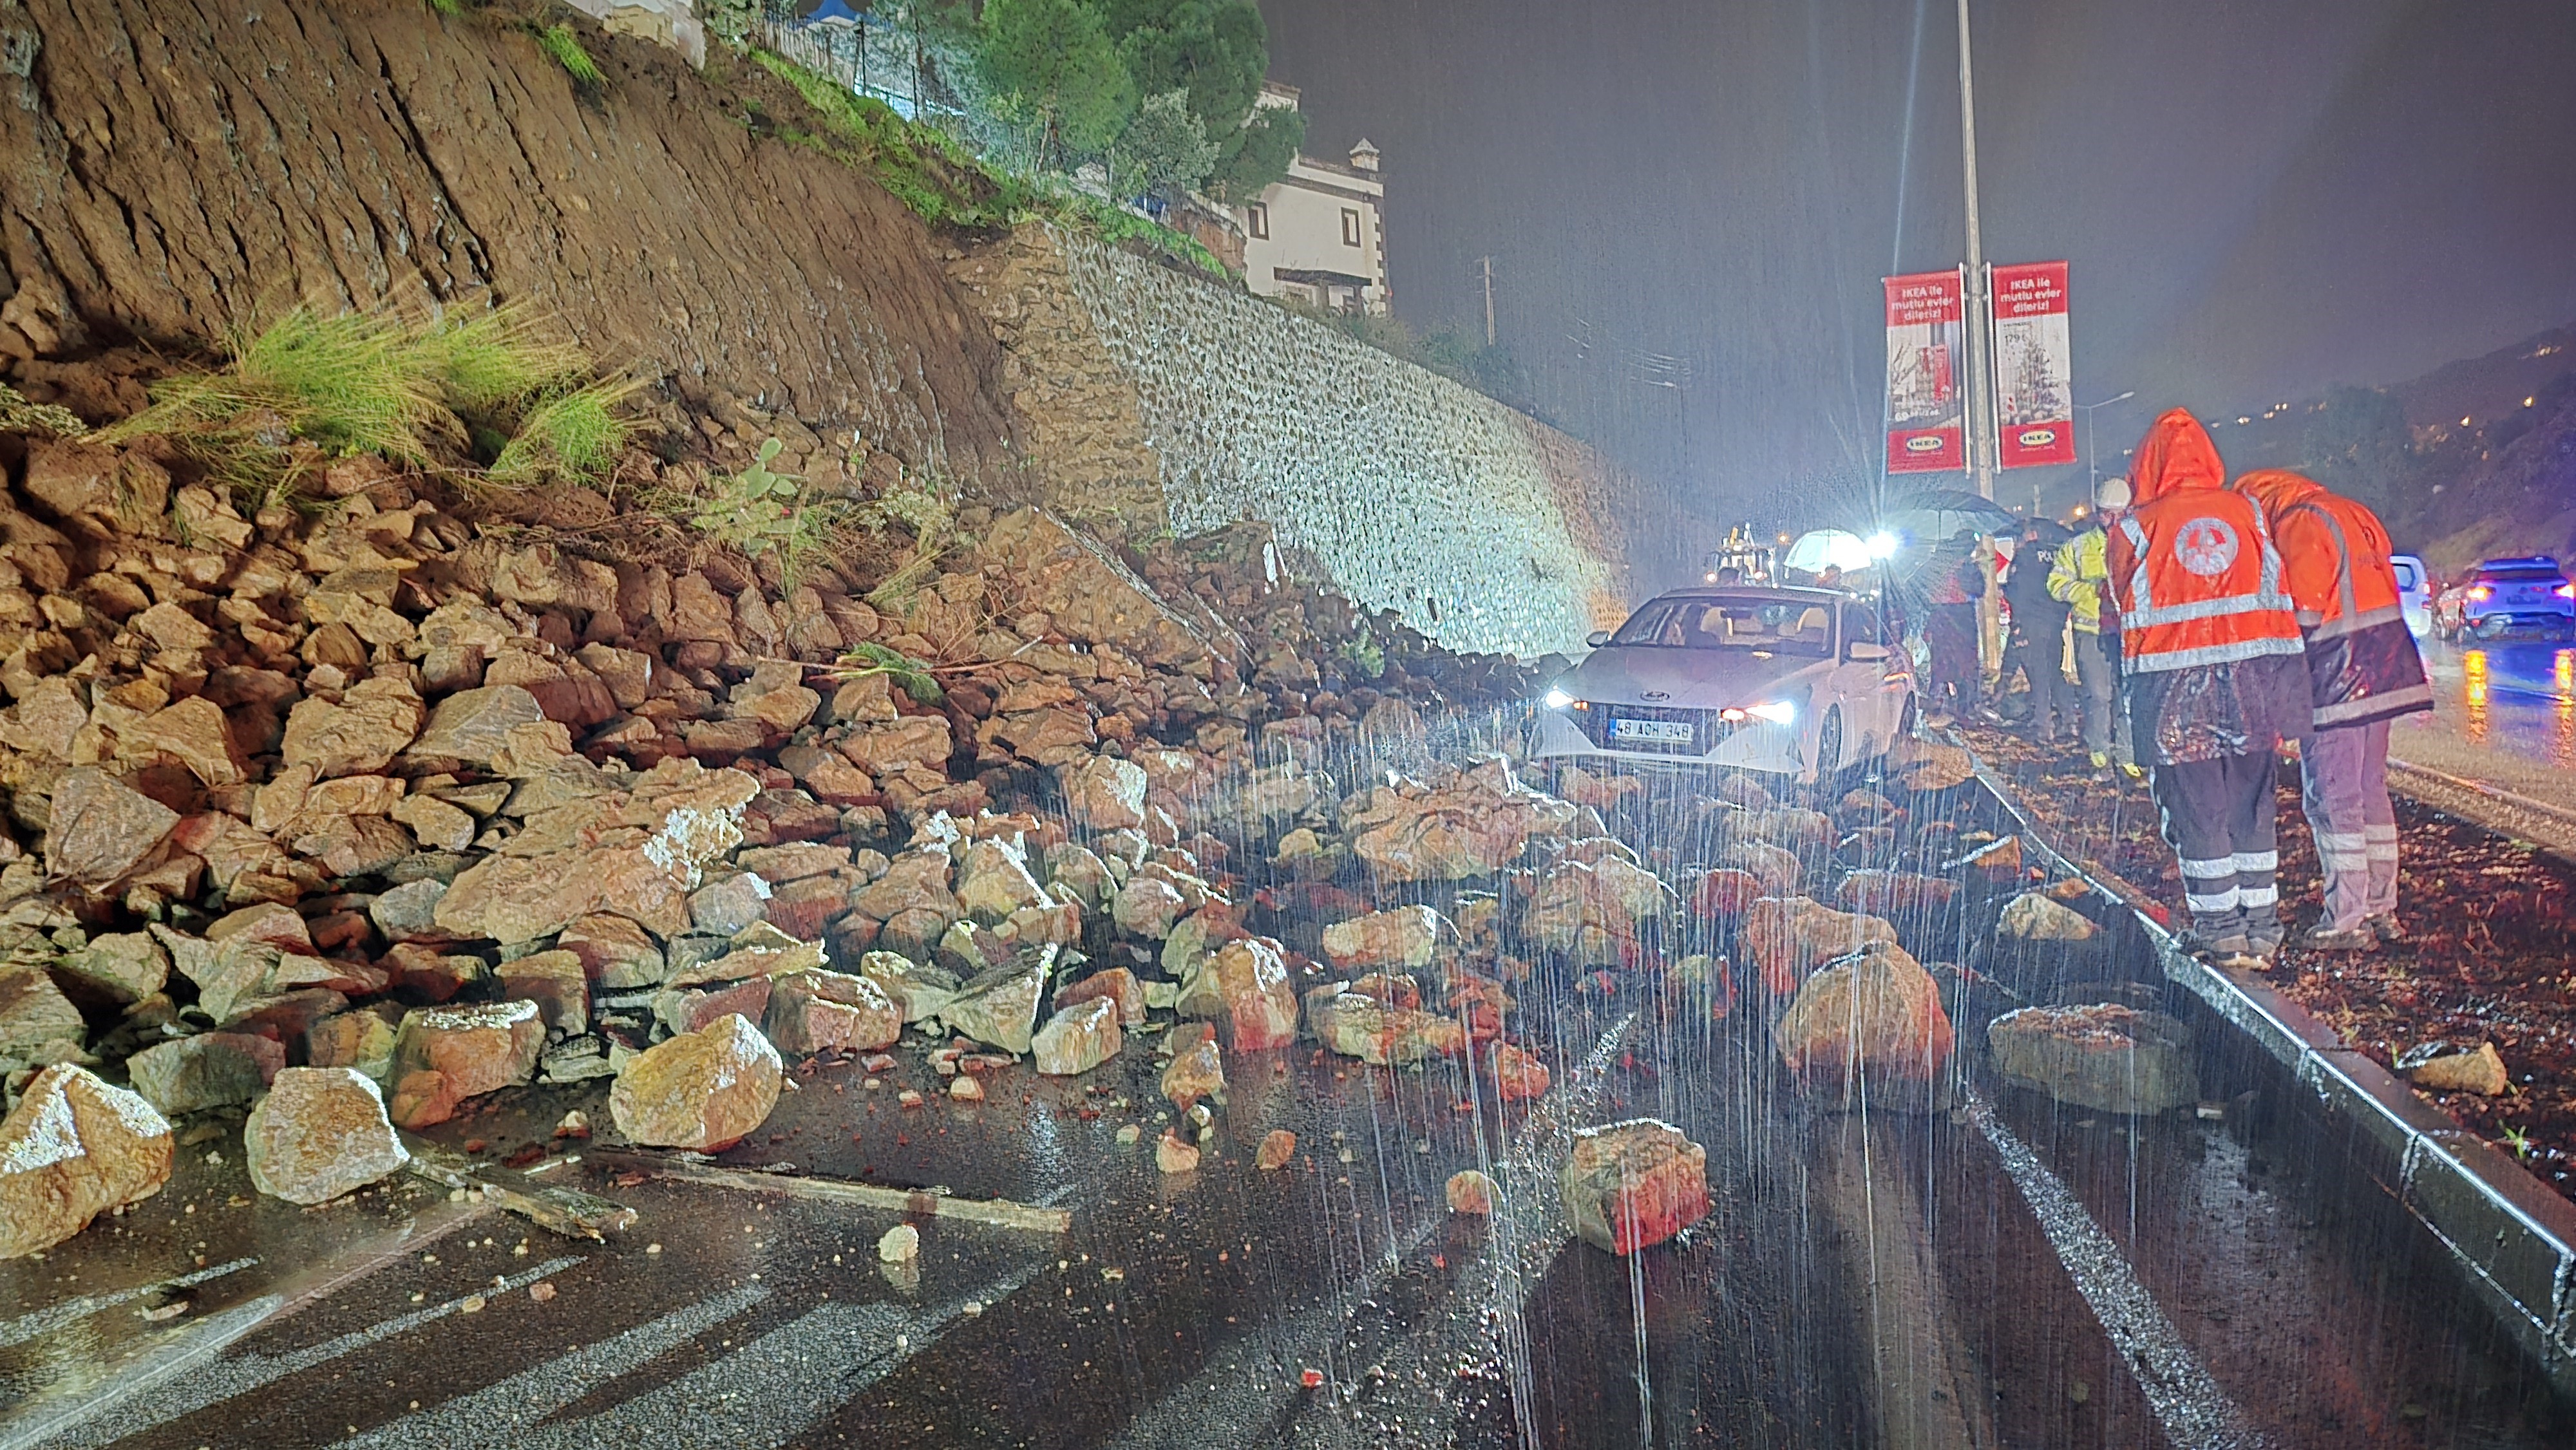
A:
(1794, 682)
(2414, 600)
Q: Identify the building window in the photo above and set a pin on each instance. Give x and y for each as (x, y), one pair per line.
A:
(1350, 227)
(1256, 221)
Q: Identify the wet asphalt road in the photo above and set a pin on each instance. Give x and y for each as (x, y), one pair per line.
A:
(2513, 702)
(2003, 1273)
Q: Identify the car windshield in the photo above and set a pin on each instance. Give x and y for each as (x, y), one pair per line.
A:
(1764, 626)
(2530, 574)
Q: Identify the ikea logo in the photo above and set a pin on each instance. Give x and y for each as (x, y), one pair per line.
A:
(2037, 437)
(1927, 443)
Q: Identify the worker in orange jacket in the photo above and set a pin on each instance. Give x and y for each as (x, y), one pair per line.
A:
(2363, 672)
(2215, 675)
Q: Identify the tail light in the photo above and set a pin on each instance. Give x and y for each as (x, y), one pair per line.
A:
(2565, 591)
(2481, 592)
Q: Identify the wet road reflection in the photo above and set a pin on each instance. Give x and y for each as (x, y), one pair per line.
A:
(2517, 697)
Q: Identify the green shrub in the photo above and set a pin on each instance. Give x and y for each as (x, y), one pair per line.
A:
(559, 42)
(924, 167)
(909, 675)
(766, 515)
(349, 383)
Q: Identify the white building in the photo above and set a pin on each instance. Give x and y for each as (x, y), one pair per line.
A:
(1319, 235)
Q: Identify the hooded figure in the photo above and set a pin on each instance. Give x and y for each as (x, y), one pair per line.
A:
(2215, 675)
(2363, 671)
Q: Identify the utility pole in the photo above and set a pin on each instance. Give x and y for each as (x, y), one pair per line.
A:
(1487, 264)
(1981, 383)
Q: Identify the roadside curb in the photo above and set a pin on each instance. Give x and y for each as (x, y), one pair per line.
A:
(2511, 1235)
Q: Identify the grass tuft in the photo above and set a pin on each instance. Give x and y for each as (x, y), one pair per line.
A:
(343, 382)
(572, 435)
(18, 415)
(494, 360)
(565, 47)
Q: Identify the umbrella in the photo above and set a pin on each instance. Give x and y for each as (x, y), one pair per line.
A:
(1933, 514)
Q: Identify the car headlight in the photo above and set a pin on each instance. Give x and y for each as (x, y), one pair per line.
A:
(1556, 699)
(1778, 712)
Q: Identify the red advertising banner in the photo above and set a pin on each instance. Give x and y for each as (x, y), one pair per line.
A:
(1926, 359)
(2034, 366)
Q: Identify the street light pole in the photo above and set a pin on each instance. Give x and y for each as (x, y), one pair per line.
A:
(2092, 451)
(1981, 384)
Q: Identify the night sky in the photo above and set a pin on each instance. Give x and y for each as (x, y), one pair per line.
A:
(2258, 198)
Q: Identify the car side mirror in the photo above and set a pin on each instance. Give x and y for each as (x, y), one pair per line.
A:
(1861, 651)
(1597, 638)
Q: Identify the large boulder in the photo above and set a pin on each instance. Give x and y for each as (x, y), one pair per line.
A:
(1251, 977)
(1592, 911)
(702, 1090)
(1403, 937)
(74, 1148)
(37, 1022)
(2114, 1058)
(213, 1070)
(1381, 1034)
(635, 850)
(1632, 1185)
(994, 880)
(2036, 916)
(1786, 937)
(374, 721)
(1869, 1027)
(101, 829)
(1472, 823)
(1000, 1006)
(1117, 984)
(445, 1055)
(1078, 1038)
(321, 1132)
(817, 1011)
(1105, 794)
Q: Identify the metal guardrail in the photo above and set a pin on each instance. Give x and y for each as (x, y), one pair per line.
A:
(2511, 1236)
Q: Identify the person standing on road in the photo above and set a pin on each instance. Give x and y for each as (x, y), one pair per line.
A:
(2216, 680)
(2081, 579)
(2038, 631)
(1950, 635)
(2363, 672)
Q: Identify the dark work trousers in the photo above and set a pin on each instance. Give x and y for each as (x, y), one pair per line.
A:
(2343, 785)
(2039, 647)
(2217, 815)
(2097, 679)
(1951, 635)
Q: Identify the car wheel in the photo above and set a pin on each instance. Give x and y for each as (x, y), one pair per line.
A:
(1829, 747)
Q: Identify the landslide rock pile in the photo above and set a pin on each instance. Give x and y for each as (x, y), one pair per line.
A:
(386, 793)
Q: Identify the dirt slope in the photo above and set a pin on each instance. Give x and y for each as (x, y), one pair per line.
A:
(170, 166)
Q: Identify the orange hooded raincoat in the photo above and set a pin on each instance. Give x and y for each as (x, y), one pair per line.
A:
(2209, 639)
(2362, 663)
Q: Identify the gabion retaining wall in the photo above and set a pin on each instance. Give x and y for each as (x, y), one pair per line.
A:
(1479, 525)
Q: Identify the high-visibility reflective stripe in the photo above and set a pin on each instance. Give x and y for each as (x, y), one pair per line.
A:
(2257, 860)
(2334, 861)
(2343, 624)
(2398, 700)
(2141, 593)
(2252, 896)
(2207, 609)
(2209, 654)
(2209, 870)
(2381, 831)
(2215, 902)
(2339, 841)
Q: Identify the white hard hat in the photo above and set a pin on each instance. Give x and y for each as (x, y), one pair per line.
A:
(2112, 494)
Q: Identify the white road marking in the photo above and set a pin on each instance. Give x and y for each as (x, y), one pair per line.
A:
(45, 1321)
(171, 1397)
(2195, 1413)
(760, 1395)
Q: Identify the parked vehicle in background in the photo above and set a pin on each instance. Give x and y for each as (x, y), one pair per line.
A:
(2414, 593)
(1795, 682)
(2502, 596)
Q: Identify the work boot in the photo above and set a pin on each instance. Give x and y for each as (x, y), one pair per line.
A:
(2251, 956)
(2386, 926)
(2211, 946)
(2345, 939)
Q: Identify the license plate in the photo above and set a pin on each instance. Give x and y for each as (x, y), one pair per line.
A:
(1651, 732)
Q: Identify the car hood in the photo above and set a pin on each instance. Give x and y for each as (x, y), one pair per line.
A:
(1695, 678)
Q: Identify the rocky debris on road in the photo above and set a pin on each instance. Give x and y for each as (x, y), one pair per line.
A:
(1897, 893)
(1401, 938)
(1469, 1192)
(2035, 916)
(319, 1133)
(701, 1090)
(1172, 1154)
(900, 1244)
(1591, 905)
(1789, 937)
(1278, 1146)
(1631, 1185)
(2114, 1058)
(1197, 1070)
(444, 1055)
(73, 1148)
(1458, 825)
(1869, 1026)
(1078, 1038)
(2449, 1067)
